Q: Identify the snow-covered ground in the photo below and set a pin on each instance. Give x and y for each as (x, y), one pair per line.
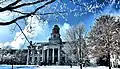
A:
(48, 67)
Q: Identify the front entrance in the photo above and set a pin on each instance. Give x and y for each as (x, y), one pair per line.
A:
(50, 57)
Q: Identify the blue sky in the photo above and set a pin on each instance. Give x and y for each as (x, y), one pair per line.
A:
(74, 15)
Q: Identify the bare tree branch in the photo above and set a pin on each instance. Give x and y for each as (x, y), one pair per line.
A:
(24, 16)
(26, 4)
(23, 33)
(11, 6)
(49, 13)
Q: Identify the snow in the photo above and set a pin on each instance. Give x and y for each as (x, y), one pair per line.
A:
(48, 67)
(74, 67)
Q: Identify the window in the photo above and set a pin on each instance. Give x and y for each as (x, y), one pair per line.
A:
(40, 58)
(54, 35)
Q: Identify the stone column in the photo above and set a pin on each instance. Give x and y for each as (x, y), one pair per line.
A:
(47, 55)
(43, 60)
(33, 55)
(59, 55)
(53, 56)
(38, 56)
(28, 56)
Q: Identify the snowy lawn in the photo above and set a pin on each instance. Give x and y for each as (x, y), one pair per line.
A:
(48, 67)
(74, 67)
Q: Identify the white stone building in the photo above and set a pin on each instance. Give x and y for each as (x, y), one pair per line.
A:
(47, 53)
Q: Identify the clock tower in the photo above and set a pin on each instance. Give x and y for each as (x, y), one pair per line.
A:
(55, 35)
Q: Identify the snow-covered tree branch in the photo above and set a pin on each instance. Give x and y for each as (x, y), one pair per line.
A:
(76, 48)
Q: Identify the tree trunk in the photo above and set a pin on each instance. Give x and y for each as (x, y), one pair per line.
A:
(80, 51)
(80, 65)
(109, 60)
(80, 58)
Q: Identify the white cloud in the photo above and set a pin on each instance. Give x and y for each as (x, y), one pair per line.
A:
(65, 26)
(63, 29)
(40, 29)
(35, 27)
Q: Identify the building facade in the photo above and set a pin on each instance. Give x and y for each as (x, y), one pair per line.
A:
(47, 53)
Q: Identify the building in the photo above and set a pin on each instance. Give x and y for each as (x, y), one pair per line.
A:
(47, 53)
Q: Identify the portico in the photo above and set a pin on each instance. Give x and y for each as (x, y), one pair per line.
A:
(51, 55)
(47, 54)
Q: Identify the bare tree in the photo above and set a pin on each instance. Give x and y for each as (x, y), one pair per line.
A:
(104, 37)
(76, 48)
